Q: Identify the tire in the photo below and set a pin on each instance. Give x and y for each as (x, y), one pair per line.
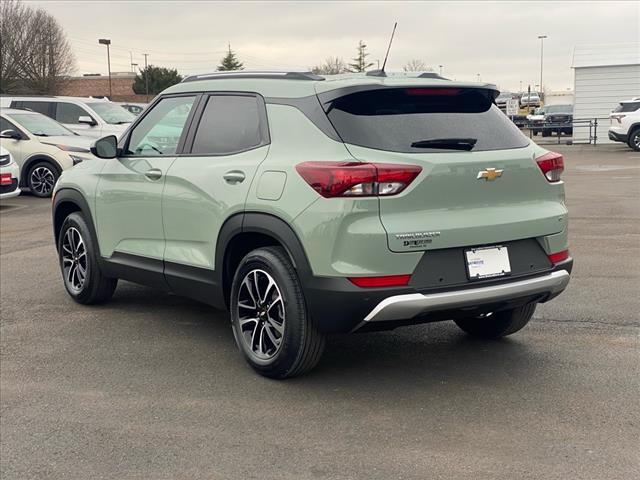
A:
(546, 133)
(41, 178)
(498, 325)
(271, 324)
(77, 253)
(634, 140)
(535, 133)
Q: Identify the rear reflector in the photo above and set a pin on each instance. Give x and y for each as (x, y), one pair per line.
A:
(559, 256)
(386, 281)
(552, 166)
(357, 179)
(5, 179)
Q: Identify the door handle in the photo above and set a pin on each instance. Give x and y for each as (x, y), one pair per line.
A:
(234, 176)
(153, 174)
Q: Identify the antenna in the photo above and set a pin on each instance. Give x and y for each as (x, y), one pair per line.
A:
(384, 64)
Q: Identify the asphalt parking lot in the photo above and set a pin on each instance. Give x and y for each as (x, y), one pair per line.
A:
(151, 386)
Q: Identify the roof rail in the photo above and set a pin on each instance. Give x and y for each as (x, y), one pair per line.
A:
(254, 74)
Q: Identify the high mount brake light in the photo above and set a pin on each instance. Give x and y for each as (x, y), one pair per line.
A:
(355, 179)
(552, 166)
(432, 91)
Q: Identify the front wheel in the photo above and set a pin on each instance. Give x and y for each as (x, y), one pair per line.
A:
(78, 256)
(634, 140)
(499, 324)
(41, 179)
(269, 317)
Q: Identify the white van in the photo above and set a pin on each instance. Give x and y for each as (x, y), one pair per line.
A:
(91, 117)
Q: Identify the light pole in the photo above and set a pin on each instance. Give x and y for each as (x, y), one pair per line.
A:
(478, 75)
(146, 78)
(440, 66)
(541, 37)
(107, 42)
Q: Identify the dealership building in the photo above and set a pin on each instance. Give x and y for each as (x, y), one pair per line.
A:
(604, 75)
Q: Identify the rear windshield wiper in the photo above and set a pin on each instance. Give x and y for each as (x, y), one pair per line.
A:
(447, 143)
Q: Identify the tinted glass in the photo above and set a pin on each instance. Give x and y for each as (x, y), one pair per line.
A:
(69, 113)
(229, 124)
(40, 125)
(7, 125)
(40, 107)
(393, 119)
(627, 107)
(112, 113)
(158, 133)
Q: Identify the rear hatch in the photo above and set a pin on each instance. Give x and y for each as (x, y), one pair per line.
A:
(479, 183)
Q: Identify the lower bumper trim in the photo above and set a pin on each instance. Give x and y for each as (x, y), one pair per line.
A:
(402, 307)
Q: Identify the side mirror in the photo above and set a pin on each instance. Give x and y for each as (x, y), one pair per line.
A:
(12, 134)
(87, 120)
(106, 147)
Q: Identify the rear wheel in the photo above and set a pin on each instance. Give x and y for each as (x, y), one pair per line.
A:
(81, 273)
(499, 324)
(634, 139)
(270, 321)
(41, 179)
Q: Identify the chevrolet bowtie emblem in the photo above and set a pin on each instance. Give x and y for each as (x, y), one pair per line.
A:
(489, 174)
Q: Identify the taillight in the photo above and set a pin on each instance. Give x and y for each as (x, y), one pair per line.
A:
(386, 281)
(552, 166)
(559, 256)
(355, 179)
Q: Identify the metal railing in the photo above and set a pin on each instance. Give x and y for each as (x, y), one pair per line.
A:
(561, 128)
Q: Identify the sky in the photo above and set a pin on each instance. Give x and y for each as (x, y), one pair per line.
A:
(495, 42)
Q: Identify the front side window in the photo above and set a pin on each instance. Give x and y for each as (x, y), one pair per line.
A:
(229, 124)
(69, 113)
(159, 132)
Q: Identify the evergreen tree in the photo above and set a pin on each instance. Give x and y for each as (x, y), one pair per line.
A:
(230, 62)
(360, 62)
(158, 79)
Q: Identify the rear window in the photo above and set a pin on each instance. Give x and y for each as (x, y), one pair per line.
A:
(40, 107)
(394, 119)
(627, 107)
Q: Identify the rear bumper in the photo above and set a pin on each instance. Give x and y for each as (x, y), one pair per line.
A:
(402, 307)
(336, 305)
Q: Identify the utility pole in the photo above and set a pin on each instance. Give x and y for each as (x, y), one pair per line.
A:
(541, 37)
(146, 77)
(107, 42)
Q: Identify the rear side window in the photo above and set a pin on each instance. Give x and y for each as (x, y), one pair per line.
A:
(395, 119)
(229, 124)
(69, 113)
(627, 107)
(40, 107)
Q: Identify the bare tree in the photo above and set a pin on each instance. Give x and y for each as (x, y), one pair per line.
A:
(415, 65)
(331, 66)
(35, 55)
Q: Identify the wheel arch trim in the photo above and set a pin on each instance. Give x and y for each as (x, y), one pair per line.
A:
(73, 196)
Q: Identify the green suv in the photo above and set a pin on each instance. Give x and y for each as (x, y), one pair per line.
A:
(307, 205)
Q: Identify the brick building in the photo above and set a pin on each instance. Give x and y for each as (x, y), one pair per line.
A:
(98, 86)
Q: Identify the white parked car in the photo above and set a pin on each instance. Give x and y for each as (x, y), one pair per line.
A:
(625, 123)
(530, 99)
(91, 117)
(9, 175)
(41, 147)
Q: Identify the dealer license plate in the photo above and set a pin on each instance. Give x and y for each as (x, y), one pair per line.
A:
(487, 262)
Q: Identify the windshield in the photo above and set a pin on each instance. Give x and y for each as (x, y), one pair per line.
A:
(559, 109)
(111, 113)
(40, 125)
